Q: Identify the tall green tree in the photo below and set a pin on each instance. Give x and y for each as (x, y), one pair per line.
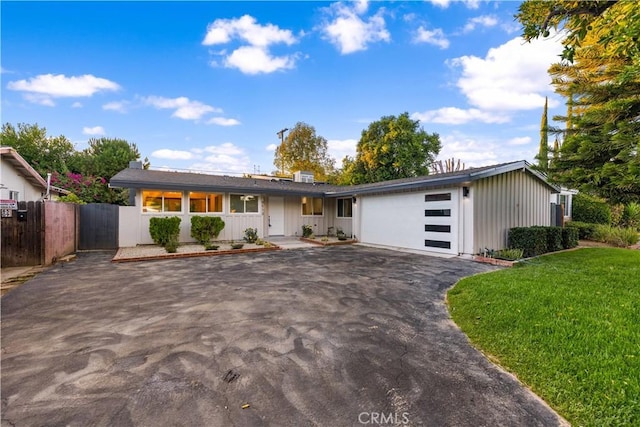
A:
(390, 148)
(600, 79)
(304, 150)
(105, 157)
(543, 151)
(46, 154)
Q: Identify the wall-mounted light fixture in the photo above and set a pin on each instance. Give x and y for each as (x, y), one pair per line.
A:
(465, 191)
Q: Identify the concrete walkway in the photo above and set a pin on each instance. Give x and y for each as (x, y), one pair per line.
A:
(290, 242)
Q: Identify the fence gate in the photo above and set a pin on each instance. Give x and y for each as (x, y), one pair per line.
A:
(23, 235)
(98, 226)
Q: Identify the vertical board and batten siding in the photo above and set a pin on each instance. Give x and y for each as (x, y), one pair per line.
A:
(501, 202)
(99, 224)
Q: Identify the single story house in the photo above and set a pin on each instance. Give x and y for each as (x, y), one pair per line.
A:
(455, 213)
(20, 182)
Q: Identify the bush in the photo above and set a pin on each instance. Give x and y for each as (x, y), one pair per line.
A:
(251, 235)
(585, 230)
(509, 254)
(631, 215)
(172, 245)
(569, 237)
(616, 236)
(590, 209)
(554, 239)
(164, 230)
(532, 240)
(307, 230)
(206, 228)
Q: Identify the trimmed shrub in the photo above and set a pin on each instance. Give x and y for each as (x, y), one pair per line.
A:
(532, 240)
(554, 239)
(569, 237)
(164, 230)
(307, 230)
(251, 235)
(206, 228)
(585, 229)
(590, 209)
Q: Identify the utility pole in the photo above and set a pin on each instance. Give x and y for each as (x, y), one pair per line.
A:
(281, 136)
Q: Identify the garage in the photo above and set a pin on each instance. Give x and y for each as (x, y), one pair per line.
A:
(420, 220)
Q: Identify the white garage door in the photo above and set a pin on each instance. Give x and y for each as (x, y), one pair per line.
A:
(426, 221)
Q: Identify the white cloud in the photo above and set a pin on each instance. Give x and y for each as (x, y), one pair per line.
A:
(119, 106)
(255, 57)
(172, 154)
(486, 21)
(224, 158)
(76, 105)
(510, 77)
(471, 4)
(256, 60)
(41, 89)
(339, 148)
(479, 151)
(350, 32)
(246, 28)
(96, 130)
(222, 121)
(435, 37)
(440, 3)
(271, 147)
(457, 116)
(183, 107)
(519, 140)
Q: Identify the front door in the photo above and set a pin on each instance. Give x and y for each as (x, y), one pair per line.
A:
(276, 216)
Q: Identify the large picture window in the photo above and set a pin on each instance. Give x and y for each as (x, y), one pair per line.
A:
(243, 203)
(161, 201)
(205, 202)
(312, 206)
(345, 208)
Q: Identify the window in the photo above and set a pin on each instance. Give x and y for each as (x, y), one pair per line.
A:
(14, 195)
(437, 244)
(205, 202)
(437, 197)
(437, 228)
(437, 212)
(243, 203)
(161, 201)
(344, 208)
(312, 206)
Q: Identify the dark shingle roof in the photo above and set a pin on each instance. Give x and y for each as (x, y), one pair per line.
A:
(165, 180)
(139, 178)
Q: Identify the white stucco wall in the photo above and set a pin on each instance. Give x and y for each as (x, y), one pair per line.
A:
(11, 180)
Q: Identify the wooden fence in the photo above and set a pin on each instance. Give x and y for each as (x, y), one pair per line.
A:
(39, 233)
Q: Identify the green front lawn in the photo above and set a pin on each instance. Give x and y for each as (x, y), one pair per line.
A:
(568, 325)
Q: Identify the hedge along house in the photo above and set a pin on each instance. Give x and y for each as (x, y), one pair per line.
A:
(274, 207)
(450, 214)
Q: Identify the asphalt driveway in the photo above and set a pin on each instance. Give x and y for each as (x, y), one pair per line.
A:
(335, 336)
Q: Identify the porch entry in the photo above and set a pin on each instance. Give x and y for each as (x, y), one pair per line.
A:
(276, 216)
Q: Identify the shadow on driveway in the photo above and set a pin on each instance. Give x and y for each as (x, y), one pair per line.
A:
(335, 336)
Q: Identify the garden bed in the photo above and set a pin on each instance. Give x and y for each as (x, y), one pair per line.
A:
(155, 252)
(328, 241)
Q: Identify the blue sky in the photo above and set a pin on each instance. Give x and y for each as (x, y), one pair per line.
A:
(206, 85)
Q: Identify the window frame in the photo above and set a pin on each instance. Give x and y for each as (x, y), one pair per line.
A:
(244, 204)
(207, 195)
(162, 205)
(342, 199)
(311, 198)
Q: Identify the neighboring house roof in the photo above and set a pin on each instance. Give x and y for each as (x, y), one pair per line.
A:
(165, 180)
(11, 156)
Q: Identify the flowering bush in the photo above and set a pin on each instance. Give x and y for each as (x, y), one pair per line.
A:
(89, 189)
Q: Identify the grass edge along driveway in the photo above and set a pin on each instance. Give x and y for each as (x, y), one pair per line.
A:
(568, 325)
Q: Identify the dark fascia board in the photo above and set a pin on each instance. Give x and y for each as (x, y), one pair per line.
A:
(220, 188)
